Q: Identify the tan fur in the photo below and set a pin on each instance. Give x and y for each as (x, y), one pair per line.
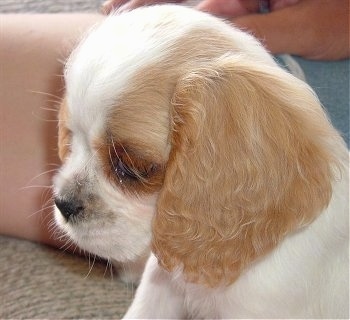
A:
(246, 152)
(145, 103)
(249, 164)
(150, 169)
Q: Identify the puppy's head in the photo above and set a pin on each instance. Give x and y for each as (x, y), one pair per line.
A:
(174, 117)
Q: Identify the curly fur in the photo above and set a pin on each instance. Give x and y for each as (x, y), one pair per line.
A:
(179, 133)
(245, 146)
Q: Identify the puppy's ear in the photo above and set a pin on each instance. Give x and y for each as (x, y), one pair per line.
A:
(64, 134)
(250, 163)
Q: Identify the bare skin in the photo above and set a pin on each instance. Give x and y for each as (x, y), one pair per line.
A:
(32, 49)
(313, 29)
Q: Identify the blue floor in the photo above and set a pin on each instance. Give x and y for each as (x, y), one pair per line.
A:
(330, 80)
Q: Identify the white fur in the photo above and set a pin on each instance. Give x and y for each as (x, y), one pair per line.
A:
(286, 283)
(305, 277)
(96, 74)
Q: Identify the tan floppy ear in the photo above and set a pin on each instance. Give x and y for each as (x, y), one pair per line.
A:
(64, 134)
(250, 163)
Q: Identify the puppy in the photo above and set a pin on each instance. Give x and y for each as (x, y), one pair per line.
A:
(180, 132)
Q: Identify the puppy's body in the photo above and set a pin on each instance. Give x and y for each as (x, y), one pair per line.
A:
(175, 117)
(305, 277)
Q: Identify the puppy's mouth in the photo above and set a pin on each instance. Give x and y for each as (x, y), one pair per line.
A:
(90, 230)
(119, 231)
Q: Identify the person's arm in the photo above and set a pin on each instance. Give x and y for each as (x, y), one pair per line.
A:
(313, 29)
(32, 51)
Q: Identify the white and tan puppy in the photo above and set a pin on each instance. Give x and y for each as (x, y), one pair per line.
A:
(180, 132)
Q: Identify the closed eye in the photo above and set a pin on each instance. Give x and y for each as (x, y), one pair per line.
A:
(124, 171)
(126, 167)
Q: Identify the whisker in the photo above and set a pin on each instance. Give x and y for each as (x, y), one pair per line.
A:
(90, 269)
(41, 210)
(47, 172)
(43, 119)
(114, 149)
(52, 106)
(53, 165)
(135, 171)
(132, 164)
(62, 61)
(51, 109)
(41, 174)
(129, 286)
(46, 94)
(111, 159)
(53, 228)
(110, 156)
(69, 243)
(109, 266)
(34, 186)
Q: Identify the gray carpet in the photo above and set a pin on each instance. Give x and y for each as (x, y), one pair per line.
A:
(38, 282)
(52, 6)
(55, 6)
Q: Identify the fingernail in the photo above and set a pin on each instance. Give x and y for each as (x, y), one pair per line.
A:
(107, 7)
(126, 7)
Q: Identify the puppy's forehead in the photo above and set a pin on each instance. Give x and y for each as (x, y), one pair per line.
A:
(130, 62)
(101, 67)
(100, 72)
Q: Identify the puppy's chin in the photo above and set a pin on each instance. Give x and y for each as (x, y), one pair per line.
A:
(123, 239)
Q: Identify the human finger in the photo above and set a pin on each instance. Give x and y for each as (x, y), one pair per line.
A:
(272, 29)
(110, 5)
(228, 9)
(307, 29)
(236, 8)
(279, 4)
(124, 5)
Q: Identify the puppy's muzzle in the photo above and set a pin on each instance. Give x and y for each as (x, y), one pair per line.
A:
(69, 208)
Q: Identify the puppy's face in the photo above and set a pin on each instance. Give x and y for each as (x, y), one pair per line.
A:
(107, 187)
(173, 116)
(115, 122)
(113, 144)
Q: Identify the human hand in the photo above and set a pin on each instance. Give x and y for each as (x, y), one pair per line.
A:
(223, 8)
(313, 29)
(123, 5)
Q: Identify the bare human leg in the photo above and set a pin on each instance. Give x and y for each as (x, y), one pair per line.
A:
(32, 51)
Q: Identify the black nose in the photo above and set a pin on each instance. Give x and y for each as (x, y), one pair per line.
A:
(69, 208)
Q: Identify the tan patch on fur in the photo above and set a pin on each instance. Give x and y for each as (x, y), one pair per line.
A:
(147, 171)
(64, 134)
(246, 149)
(140, 119)
(249, 164)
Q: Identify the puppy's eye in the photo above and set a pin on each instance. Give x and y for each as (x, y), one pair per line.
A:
(130, 169)
(124, 171)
